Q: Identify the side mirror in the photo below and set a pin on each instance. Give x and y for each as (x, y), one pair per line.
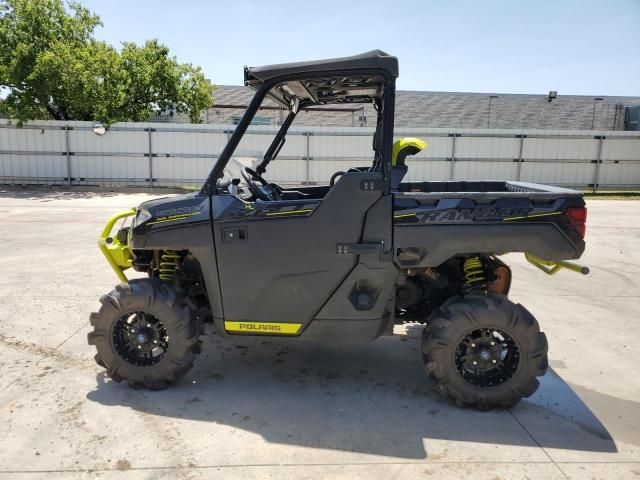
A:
(99, 129)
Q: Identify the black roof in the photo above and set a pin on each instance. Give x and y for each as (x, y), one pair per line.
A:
(375, 59)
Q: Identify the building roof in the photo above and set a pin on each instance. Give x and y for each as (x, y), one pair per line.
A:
(425, 109)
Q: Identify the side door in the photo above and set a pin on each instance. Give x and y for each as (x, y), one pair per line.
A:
(279, 262)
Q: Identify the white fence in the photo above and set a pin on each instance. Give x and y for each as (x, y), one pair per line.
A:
(153, 154)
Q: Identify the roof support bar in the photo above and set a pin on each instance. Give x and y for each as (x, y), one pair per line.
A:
(277, 144)
(238, 133)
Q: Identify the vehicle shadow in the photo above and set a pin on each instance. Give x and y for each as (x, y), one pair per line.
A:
(367, 398)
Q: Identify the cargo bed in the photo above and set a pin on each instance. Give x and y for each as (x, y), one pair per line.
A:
(484, 216)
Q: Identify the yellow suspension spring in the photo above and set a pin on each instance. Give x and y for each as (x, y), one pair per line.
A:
(473, 272)
(169, 263)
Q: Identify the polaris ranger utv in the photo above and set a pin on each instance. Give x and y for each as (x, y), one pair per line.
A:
(342, 262)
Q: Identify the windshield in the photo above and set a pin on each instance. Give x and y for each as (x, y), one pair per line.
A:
(318, 104)
(286, 147)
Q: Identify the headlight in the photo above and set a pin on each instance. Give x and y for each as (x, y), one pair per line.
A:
(142, 216)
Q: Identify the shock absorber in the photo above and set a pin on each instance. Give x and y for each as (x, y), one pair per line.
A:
(474, 274)
(169, 263)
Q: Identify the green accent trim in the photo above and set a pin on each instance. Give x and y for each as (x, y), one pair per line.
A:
(551, 268)
(117, 254)
(404, 215)
(508, 219)
(173, 218)
(262, 328)
(304, 210)
(398, 145)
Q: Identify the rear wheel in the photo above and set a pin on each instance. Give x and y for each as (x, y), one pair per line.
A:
(145, 334)
(484, 351)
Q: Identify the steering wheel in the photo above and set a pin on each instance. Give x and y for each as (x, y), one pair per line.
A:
(260, 188)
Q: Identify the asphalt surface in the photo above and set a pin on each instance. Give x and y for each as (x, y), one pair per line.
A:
(262, 409)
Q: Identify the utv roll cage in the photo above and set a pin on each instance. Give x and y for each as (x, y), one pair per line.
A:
(366, 78)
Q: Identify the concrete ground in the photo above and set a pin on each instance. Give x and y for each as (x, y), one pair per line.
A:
(298, 410)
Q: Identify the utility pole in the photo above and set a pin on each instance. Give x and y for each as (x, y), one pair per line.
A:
(491, 97)
(593, 117)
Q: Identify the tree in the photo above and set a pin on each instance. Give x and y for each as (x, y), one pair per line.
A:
(51, 66)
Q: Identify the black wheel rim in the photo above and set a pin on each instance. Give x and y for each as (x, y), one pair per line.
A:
(140, 339)
(487, 357)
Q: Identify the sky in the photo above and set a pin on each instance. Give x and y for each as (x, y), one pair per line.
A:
(588, 47)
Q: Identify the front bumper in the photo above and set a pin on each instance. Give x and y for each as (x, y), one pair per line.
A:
(115, 251)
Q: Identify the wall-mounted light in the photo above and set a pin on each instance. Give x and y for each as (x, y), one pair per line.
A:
(99, 129)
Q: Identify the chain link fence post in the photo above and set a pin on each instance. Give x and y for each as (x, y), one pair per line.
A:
(68, 154)
(522, 137)
(150, 130)
(452, 172)
(307, 158)
(596, 171)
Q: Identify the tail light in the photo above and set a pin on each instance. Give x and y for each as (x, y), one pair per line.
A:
(578, 218)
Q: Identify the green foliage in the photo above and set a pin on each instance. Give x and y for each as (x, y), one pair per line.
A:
(51, 67)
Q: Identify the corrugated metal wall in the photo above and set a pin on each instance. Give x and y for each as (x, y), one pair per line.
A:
(156, 154)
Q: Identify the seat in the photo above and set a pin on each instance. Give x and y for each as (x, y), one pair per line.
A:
(401, 150)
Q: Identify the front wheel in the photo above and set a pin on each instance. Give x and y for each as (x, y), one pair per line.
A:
(145, 334)
(484, 351)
